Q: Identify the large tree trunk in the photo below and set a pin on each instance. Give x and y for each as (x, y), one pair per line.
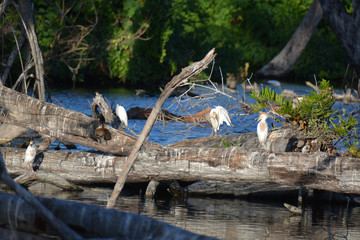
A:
(61, 123)
(84, 218)
(346, 28)
(231, 164)
(285, 61)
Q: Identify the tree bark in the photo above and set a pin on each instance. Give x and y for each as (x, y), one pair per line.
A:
(27, 14)
(346, 28)
(231, 164)
(63, 124)
(84, 218)
(25, 9)
(285, 61)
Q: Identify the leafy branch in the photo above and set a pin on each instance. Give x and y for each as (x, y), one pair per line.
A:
(315, 114)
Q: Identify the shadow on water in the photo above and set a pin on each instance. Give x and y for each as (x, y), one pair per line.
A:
(228, 218)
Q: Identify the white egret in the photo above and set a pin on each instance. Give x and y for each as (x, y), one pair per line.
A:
(30, 155)
(262, 129)
(121, 113)
(218, 116)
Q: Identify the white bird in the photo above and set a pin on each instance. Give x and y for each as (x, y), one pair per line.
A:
(262, 129)
(30, 155)
(218, 116)
(121, 113)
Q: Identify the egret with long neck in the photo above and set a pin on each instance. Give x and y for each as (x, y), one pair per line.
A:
(262, 129)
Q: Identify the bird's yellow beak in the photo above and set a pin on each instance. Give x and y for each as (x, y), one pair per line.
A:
(259, 119)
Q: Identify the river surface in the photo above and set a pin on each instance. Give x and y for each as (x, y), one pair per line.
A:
(223, 218)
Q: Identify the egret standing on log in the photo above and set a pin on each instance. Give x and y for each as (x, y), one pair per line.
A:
(30, 155)
(218, 116)
(121, 113)
(262, 129)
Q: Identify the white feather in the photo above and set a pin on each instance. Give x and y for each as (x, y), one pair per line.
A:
(218, 116)
(121, 113)
(30, 154)
(262, 133)
(223, 115)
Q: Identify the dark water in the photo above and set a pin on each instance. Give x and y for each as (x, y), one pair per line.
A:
(222, 218)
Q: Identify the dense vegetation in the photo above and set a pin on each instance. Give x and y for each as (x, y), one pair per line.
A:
(133, 42)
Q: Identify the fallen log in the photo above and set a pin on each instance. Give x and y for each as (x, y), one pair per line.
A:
(231, 164)
(114, 224)
(61, 123)
(29, 179)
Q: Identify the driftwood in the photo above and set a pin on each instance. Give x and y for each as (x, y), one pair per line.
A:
(29, 179)
(232, 164)
(61, 123)
(113, 225)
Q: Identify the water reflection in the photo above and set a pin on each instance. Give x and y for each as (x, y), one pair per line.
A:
(229, 218)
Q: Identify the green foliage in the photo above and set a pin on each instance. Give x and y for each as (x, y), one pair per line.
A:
(353, 149)
(314, 113)
(175, 33)
(316, 108)
(225, 143)
(268, 97)
(344, 124)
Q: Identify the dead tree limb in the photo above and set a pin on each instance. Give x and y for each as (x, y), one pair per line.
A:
(85, 219)
(285, 61)
(27, 15)
(27, 180)
(178, 80)
(61, 123)
(63, 230)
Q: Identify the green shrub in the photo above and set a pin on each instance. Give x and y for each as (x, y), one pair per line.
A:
(315, 114)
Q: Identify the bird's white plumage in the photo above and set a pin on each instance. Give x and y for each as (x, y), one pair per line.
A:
(262, 129)
(218, 116)
(30, 155)
(121, 113)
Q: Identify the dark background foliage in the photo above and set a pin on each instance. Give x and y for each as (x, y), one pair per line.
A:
(144, 43)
